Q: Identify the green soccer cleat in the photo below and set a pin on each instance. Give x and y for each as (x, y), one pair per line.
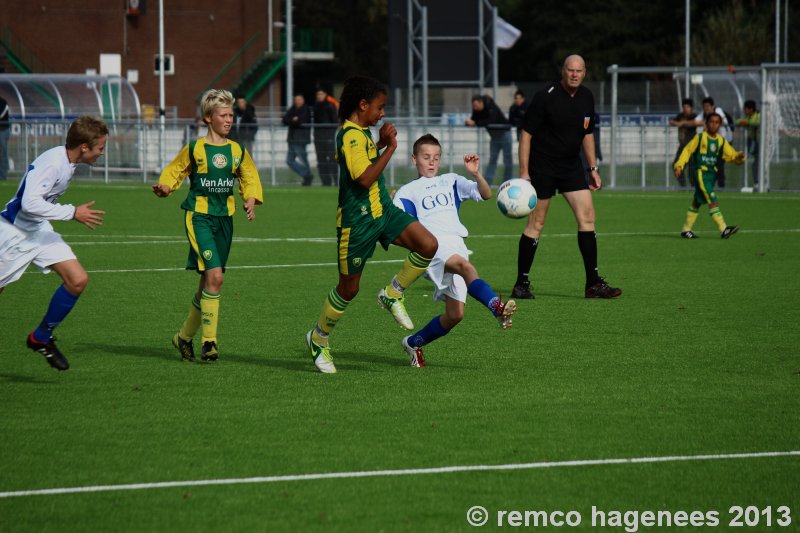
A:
(321, 355)
(186, 348)
(397, 308)
(209, 352)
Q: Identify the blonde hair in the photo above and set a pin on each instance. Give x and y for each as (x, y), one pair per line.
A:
(214, 98)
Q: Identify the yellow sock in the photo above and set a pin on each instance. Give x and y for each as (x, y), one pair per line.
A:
(691, 217)
(332, 310)
(192, 322)
(209, 307)
(717, 216)
(413, 267)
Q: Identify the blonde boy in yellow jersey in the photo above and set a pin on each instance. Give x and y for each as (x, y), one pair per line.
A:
(707, 148)
(212, 164)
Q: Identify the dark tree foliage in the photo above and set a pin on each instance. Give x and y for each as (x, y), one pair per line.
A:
(625, 32)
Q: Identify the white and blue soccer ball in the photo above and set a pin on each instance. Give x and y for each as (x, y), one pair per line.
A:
(516, 198)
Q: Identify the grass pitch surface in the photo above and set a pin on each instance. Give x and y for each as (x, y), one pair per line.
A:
(698, 357)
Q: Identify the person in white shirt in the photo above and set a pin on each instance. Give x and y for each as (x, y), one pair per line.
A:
(435, 199)
(27, 237)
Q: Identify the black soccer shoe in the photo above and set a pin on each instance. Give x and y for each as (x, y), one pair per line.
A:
(601, 289)
(186, 348)
(522, 291)
(728, 231)
(50, 352)
(689, 235)
(209, 352)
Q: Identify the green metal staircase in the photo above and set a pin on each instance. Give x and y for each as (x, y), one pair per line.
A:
(259, 75)
(22, 59)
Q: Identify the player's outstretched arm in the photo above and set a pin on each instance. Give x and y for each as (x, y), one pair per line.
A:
(91, 218)
(472, 162)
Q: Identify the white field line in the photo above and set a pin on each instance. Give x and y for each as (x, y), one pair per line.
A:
(156, 239)
(393, 473)
(237, 267)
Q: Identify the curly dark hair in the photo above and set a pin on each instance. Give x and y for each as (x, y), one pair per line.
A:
(356, 89)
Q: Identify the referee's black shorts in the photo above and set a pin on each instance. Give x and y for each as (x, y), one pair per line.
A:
(563, 177)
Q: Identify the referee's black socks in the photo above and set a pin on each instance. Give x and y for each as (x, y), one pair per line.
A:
(587, 243)
(527, 250)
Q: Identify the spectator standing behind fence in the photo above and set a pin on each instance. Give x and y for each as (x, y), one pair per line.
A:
(298, 118)
(4, 132)
(486, 114)
(752, 121)
(517, 111)
(725, 130)
(325, 124)
(246, 124)
(685, 134)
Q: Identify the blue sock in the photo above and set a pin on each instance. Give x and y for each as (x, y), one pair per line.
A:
(432, 331)
(481, 291)
(60, 306)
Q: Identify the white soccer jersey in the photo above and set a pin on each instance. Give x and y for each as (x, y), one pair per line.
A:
(435, 202)
(46, 180)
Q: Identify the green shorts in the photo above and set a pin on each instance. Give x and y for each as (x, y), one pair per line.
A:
(357, 244)
(704, 188)
(210, 240)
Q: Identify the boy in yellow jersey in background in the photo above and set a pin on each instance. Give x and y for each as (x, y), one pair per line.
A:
(366, 215)
(211, 163)
(707, 148)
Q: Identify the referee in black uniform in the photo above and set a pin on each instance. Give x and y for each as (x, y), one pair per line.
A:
(558, 123)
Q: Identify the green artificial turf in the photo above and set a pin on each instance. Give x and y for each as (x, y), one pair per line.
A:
(699, 356)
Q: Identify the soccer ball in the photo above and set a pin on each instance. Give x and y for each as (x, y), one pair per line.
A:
(516, 198)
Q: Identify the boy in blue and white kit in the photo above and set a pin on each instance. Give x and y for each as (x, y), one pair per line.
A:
(435, 199)
(26, 235)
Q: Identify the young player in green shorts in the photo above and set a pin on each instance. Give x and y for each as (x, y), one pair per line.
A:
(707, 148)
(211, 163)
(366, 215)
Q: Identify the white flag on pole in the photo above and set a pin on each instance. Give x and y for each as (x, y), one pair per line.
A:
(505, 35)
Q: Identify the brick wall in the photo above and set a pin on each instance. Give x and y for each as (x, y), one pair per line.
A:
(203, 35)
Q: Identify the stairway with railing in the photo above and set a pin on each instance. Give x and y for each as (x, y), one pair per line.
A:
(261, 72)
(18, 55)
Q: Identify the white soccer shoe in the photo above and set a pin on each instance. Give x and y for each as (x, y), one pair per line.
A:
(415, 355)
(397, 308)
(321, 355)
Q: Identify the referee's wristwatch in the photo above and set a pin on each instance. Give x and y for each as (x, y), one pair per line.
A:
(594, 169)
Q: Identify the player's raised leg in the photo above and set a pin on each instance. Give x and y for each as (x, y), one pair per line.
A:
(481, 291)
(422, 245)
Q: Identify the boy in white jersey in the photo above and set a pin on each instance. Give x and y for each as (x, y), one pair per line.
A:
(26, 235)
(435, 199)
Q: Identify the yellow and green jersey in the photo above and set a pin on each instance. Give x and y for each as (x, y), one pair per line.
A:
(706, 151)
(212, 170)
(355, 151)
